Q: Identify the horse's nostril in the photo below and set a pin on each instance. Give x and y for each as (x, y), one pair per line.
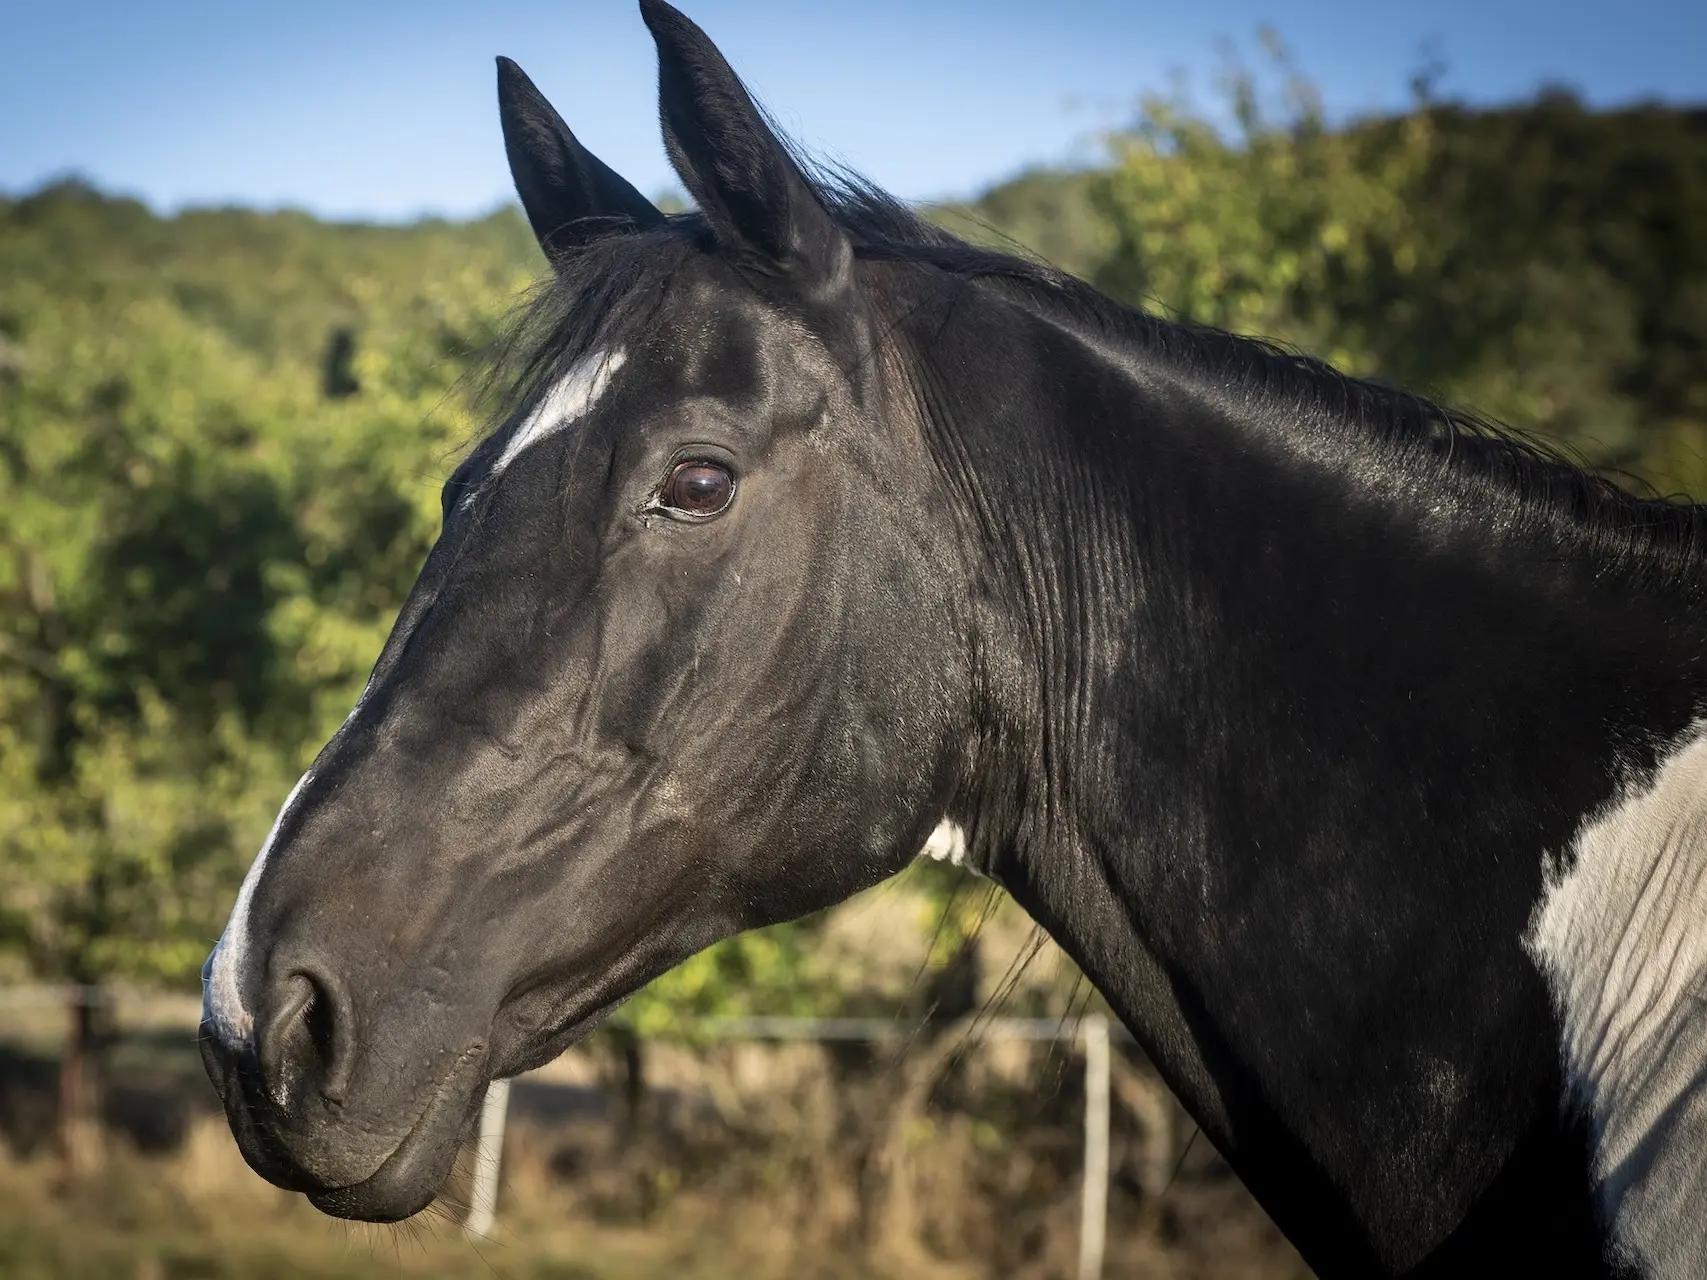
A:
(305, 1044)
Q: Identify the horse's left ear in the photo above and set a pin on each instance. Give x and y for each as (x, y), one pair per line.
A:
(755, 198)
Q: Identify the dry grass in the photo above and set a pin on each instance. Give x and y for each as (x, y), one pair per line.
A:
(590, 1201)
(200, 1213)
(824, 1162)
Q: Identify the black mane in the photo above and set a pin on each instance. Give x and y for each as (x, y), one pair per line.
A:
(609, 287)
(1621, 510)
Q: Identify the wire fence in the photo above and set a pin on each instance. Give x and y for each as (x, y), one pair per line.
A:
(1093, 1034)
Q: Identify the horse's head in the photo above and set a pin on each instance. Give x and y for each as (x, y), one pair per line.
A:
(683, 662)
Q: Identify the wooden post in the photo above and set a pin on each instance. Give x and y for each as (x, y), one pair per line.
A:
(1093, 1219)
(79, 1110)
(488, 1153)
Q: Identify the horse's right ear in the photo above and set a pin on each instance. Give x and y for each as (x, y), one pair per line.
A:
(570, 195)
(754, 197)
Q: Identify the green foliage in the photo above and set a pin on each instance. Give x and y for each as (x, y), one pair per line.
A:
(1264, 231)
(1544, 264)
(222, 437)
(1043, 213)
(771, 971)
(200, 552)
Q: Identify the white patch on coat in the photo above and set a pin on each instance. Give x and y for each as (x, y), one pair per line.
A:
(947, 843)
(573, 395)
(1622, 939)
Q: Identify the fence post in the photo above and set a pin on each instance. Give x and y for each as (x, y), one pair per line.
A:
(483, 1195)
(1093, 1220)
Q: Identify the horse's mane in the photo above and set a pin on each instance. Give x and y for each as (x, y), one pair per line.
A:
(611, 286)
(1619, 512)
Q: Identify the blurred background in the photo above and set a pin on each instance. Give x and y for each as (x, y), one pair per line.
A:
(252, 259)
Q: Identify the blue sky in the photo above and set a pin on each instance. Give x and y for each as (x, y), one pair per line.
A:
(385, 109)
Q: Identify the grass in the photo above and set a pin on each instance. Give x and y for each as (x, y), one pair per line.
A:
(749, 1166)
(200, 1215)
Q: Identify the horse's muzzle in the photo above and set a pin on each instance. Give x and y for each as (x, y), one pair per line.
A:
(349, 1164)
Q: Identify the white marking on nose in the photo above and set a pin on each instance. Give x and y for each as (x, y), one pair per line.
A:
(574, 394)
(222, 999)
(222, 993)
(946, 844)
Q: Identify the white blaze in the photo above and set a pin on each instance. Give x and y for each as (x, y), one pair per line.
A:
(574, 394)
(222, 999)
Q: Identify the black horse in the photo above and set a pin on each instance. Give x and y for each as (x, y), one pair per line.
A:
(1349, 745)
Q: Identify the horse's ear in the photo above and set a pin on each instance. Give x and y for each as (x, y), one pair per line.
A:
(569, 193)
(753, 195)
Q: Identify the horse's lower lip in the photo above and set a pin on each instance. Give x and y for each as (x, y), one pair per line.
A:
(408, 1179)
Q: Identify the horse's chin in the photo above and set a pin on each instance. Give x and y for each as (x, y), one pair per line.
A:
(413, 1174)
(403, 1183)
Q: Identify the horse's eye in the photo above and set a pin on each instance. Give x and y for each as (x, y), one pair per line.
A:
(699, 488)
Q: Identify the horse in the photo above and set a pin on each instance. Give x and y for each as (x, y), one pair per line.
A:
(1352, 747)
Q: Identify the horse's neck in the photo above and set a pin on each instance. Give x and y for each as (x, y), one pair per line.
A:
(1305, 755)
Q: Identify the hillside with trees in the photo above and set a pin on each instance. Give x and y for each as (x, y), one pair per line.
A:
(222, 436)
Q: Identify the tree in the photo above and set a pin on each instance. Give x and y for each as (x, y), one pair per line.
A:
(1542, 264)
(200, 553)
(222, 438)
